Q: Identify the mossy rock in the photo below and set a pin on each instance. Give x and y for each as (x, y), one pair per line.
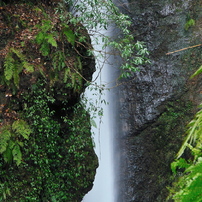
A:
(43, 71)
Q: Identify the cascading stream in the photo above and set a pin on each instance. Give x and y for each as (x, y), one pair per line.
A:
(103, 189)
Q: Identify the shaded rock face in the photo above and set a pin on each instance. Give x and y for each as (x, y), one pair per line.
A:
(156, 103)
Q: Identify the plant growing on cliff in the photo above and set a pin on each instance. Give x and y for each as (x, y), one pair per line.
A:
(191, 22)
(44, 66)
(15, 63)
(11, 140)
(189, 186)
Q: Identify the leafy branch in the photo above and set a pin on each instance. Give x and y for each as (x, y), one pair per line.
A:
(98, 15)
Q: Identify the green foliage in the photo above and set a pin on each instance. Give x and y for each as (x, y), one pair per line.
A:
(5, 137)
(54, 164)
(54, 157)
(189, 186)
(14, 63)
(69, 34)
(47, 35)
(11, 140)
(44, 38)
(96, 15)
(59, 61)
(179, 163)
(20, 127)
(47, 39)
(189, 23)
(194, 132)
(199, 71)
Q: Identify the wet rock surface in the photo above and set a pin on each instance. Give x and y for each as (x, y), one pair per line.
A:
(156, 103)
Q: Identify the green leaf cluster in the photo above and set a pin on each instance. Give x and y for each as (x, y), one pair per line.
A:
(47, 36)
(15, 62)
(70, 36)
(44, 37)
(11, 140)
(191, 22)
(54, 164)
(96, 15)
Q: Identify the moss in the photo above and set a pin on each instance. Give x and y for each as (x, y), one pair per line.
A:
(160, 143)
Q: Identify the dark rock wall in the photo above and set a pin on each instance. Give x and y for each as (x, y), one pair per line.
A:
(157, 102)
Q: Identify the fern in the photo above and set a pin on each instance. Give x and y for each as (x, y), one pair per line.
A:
(179, 163)
(17, 155)
(20, 127)
(51, 40)
(9, 141)
(5, 135)
(45, 49)
(69, 35)
(189, 186)
(9, 66)
(66, 74)
(8, 157)
(14, 67)
(194, 132)
(79, 64)
(58, 60)
(44, 38)
(16, 77)
(39, 38)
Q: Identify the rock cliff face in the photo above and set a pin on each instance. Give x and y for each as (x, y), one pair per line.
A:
(155, 104)
(45, 138)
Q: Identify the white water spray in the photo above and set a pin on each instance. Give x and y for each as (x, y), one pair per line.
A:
(103, 190)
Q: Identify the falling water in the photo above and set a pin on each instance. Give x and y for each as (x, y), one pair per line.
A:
(103, 185)
(106, 74)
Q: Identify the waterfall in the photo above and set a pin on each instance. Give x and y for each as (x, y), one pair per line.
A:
(103, 189)
(103, 185)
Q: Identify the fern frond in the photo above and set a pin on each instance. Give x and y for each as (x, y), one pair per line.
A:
(40, 38)
(179, 163)
(28, 66)
(20, 127)
(58, 60)
(16, 78)
(79, 63)
(66, 74)
(17, 154)
(5, 136)
(45, 49)
(18, 53)
(9, 67)
(51, 40)
(69, 35)
(190, 186)
(8, 157)
(46, 25)
(193, 132)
